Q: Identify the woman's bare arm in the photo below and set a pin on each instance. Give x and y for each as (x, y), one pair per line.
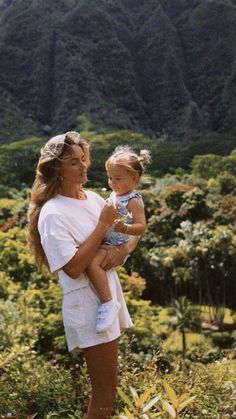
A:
(87, 251)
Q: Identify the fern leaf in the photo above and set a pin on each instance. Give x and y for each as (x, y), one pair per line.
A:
(125, 398)
(182, 398)
(169, 409)
(151, 403)
(171, 394)
(134, 394)
(146, 394)
(185, 403)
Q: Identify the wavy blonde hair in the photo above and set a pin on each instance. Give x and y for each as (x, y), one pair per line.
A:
(125, 156)
(47, 183)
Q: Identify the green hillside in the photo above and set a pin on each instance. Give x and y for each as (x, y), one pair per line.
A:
(162, 67)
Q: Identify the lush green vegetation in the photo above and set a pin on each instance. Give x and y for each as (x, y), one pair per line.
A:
(190, 246)
(167, 68)
(168, 71)
(18, 159)
(180, 356)
(37, 375)
(18, 163)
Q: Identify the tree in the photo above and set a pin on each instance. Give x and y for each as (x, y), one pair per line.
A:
(185, 317)
(18, 162)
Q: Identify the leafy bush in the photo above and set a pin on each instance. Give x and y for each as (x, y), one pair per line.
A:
(31, 385)
(188, 248)
(223, 340)
(210, 165)
(14, 172)
(227, 183)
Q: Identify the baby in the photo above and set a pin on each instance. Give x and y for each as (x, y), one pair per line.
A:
(124, 169)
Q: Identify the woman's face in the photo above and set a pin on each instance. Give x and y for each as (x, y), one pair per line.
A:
(74, 169)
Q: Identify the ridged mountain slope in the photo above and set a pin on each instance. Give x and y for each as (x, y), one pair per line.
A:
(165, 67)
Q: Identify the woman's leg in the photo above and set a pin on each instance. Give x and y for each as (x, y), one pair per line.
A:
(102, 368)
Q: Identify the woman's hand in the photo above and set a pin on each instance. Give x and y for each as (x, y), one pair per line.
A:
(108, 214)
(114, 257)
(116, 254)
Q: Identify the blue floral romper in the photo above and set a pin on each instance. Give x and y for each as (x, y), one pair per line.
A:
(112, 237)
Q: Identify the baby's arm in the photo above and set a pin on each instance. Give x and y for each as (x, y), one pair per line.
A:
(135, 206)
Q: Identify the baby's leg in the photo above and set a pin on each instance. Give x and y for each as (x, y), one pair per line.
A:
(98, 277)
(108, 309)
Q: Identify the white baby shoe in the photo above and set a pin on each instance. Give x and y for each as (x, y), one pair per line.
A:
(106, 315)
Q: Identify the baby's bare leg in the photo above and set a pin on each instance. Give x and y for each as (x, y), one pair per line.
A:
(98, 277)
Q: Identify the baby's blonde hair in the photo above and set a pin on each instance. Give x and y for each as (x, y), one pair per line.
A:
(125, 156)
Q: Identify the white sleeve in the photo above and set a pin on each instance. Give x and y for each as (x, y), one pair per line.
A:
(58, 244)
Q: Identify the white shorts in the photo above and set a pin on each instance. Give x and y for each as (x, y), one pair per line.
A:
(79, 311)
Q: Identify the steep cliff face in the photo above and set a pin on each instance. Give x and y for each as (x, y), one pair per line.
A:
(166, 67)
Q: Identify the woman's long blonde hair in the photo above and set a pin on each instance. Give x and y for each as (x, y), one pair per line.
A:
(47, 183)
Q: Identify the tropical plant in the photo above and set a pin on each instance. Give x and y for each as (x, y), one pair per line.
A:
(138, 407)
(177, 403)
(185, 317)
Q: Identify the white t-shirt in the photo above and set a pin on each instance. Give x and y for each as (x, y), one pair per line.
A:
(64, 224)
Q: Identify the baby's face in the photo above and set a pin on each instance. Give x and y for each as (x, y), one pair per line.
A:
(121, 180)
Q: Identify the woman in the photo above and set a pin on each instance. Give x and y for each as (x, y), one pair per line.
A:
(66, 227)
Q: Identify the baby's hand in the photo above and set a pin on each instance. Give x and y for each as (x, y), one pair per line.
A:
(109, 213)
(119, 226)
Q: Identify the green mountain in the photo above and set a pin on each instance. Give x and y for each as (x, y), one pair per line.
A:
(163, 67)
